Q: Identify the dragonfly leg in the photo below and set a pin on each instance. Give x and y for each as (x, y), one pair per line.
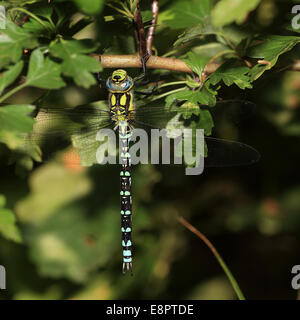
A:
(148, 93)
(144, 77)
(152, 90)
(102, 82)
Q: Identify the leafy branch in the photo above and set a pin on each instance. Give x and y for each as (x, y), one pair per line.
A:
(173, 64)
(41, 50)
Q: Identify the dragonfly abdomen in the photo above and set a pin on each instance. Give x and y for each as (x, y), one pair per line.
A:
(125, 195)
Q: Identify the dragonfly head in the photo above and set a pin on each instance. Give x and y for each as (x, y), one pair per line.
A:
(119, 81)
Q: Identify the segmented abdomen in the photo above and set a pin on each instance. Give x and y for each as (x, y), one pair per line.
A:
(125, 194)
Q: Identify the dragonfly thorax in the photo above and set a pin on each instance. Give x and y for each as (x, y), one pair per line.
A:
(120, 87)
(121, 106)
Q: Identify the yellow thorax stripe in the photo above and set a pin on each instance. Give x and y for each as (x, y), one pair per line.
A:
(123, 100)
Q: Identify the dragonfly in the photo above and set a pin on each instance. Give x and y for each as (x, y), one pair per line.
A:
(123, 113)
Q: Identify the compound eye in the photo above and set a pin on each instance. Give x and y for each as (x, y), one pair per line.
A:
(109, 84)
(127, 84)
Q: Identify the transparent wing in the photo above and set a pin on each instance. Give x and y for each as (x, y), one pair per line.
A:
(227, 153)
(218, 152)
(66, 121)
(57, 128)
(233, 111)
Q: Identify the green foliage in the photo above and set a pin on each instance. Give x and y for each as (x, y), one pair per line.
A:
(197, 31)
(12, 43)
(74, 256)
(186, 14)
(9, 76)
(228, 11)
(75, 63)
(197, 63)
(8, 227)
(188, 109)
(43, 73)
(270, 49)
(230, 74)
(14, 121)
(204, 96)
(90, 6)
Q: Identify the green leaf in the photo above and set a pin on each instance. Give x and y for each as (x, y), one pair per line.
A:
(15, 118)
(202, 29)
(9, 76)
(12, 42)
(188, 109)
(89, 6)
(75, 63)
(2, 201)
(239, 36)
(270, 50)
(185, 95)
(38, 29)
(205, 122)
(14, 121)
(44, 11)
(272, 46)
(78, 26)
(290, 28)
(208, 95)
(228, 11)
(24, 156)
(184, 14)
(202, 120)
(43, 73)
(230, 74)
(197, 63)
(62, 224)
(211, 49)
(8, 227)
(205, 96)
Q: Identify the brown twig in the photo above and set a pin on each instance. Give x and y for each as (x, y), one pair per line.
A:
(296, 65)
(216, 254)
(151, 31)
(24, 19)
(136, 35)
(198, 234)
(156, 62)
(140, 34)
